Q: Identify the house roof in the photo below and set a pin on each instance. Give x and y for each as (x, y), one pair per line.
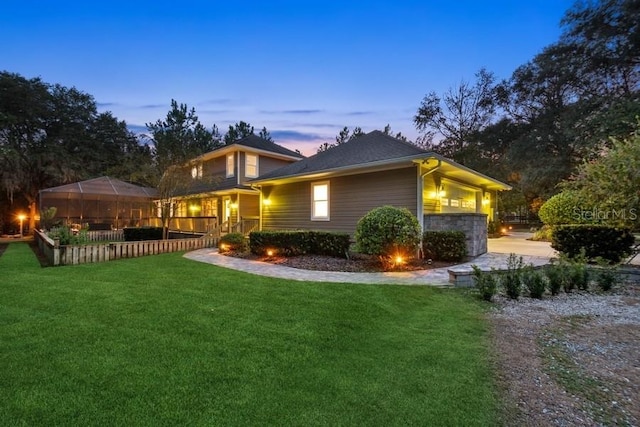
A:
(104, 185)
(372, 147)
(254, 143)
(372, 151)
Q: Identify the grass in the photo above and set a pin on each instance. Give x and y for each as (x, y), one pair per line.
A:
(163, 340)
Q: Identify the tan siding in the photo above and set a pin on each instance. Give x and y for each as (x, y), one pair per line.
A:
(214, 167)
(268, 164)
(350, 198)
(249, 205)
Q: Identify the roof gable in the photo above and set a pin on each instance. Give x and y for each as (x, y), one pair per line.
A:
(254, 141)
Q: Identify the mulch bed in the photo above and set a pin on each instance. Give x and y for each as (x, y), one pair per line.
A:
(357, 263)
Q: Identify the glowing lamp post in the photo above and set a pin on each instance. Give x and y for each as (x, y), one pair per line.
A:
(21, 218)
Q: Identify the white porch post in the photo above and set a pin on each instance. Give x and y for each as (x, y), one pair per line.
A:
(419, 201)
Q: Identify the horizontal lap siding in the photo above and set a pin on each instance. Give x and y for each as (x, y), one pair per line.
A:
(351, 197)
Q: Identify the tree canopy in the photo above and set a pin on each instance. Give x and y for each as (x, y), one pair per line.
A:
(536, 127)
(52, 135)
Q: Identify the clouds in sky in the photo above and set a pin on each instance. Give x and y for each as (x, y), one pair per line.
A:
(303, 70)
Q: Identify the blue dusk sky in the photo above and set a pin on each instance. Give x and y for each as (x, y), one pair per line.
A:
(303, 69)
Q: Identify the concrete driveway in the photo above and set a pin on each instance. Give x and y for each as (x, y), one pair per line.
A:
(516, 242)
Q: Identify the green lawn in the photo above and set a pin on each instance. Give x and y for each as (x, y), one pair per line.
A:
(162, 340)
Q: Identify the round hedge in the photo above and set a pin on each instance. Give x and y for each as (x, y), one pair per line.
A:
(388, 230)
(563, 208)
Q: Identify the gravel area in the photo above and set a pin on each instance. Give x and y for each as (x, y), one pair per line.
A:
(570, 360)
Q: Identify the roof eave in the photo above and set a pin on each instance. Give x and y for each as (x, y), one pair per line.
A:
(360, 167)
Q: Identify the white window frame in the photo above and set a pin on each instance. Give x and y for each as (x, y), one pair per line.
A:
(314, 216)
(230, 165)
(247, 165)
(196, 171)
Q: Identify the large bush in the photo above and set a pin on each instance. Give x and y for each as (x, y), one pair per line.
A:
(444, 245)
(563, 208)
(609, 243)
(386, 231)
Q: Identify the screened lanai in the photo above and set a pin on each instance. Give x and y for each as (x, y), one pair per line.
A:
(101, 202)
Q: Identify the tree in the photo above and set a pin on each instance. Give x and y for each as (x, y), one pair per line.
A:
(343, 136)
(238, 131)
(610, 183)
(51, 135)
(264, 134)
(180, 137)
(387, 131)
(460, 113)
(608, 37)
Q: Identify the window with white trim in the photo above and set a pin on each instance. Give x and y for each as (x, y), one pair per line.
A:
(196, 171)
(251, 165)
(320, 201)
(230, 165)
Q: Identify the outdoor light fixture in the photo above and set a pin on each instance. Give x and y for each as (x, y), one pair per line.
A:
(266, 202)
(270, 252)
(21, 218)
(233, 206)
(399, 259)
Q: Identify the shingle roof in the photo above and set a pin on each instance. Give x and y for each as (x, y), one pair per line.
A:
(254, 141)
(371, 147)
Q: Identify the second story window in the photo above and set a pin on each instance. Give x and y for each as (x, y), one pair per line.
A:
(251, 166)
(196, 171)
(230, 165)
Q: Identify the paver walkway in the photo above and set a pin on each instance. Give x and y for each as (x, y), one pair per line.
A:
(435, 277)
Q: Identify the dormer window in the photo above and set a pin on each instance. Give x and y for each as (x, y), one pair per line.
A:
(251, 165)
(230, 165)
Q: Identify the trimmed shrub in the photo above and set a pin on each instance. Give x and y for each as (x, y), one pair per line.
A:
(444, 245)
(534, 281)
(132, 234)
(609, 243)
(579, 275)
(511, 280)
(232, 242)
(561, 209)
(387, 231)
(485, 282)
(292, 243)
(605, 277)
(555, 277)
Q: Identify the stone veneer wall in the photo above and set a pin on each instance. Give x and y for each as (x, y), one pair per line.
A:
(473, 225)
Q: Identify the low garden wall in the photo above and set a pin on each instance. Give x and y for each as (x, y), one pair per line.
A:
(57, 254)
(473, 225)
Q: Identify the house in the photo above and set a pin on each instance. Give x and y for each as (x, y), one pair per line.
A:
(333, 189)
(258, 184)
(221, 199)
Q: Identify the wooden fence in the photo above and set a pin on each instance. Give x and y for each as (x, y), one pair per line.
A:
(106, 235)
(57, 254)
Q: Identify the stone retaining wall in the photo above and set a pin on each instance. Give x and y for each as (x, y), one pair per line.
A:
(473, 225)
